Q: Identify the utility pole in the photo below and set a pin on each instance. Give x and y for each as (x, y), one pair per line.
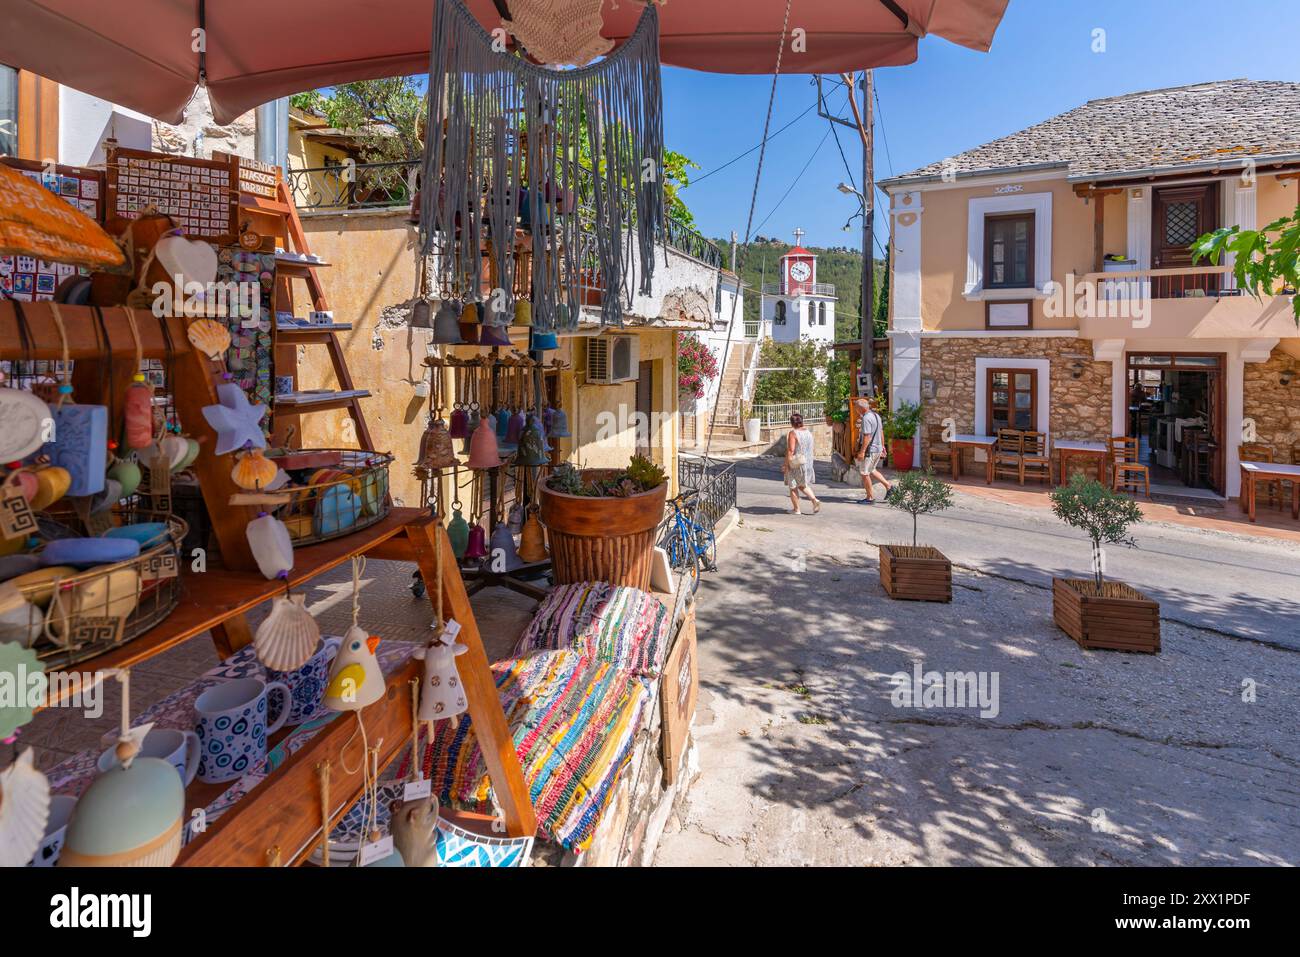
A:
(867, 132)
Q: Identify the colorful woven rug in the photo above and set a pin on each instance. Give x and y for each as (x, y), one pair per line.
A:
(624, 626)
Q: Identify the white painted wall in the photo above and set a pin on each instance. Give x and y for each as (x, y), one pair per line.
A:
(800, 319)
(85, 121)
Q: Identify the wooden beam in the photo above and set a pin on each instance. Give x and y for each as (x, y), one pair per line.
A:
(1098, 232)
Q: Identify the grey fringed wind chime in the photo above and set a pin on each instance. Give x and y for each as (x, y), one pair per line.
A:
(508, 155)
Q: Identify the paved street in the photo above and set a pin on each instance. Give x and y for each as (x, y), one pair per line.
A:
(1091, 758)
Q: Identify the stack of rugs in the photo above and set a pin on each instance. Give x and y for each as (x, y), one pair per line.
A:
(575, 694)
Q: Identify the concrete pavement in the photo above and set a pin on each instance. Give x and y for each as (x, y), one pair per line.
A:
(1187, 757)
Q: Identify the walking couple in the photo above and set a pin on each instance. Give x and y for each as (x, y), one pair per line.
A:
(799, 474)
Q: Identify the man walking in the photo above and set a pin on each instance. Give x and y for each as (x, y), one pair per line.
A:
(870, 450)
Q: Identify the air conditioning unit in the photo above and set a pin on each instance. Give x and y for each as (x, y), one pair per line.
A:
(611, 359)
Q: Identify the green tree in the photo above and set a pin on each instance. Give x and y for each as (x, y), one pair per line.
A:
(1099, 512)
(920, 493)
(794, 372)
(385, 116)
(1263, 262)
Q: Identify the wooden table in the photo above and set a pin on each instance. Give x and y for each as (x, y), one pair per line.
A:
(985, 442)
(1252, 472)
(1067, 449)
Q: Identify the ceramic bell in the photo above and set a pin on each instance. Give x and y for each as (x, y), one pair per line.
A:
(542, 341)
(523, 312)
(492, 335)
(130, 816)
(458, 533)
(459, 428)
(477, 546)
(24, 809)
(503, 424)
(469, 324)
(435, 446)
(515, 428)
(422, 314)
(559, 427)
(502, 548)
(446, 325)
(483, 447)
(288, 637)
(271, 545)
(532, 445)
(441, 693)
(532, 542)
(356, 679)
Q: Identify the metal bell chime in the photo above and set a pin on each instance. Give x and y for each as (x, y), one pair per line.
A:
(491, 335)
(436, 451)
(523, 312)
(476, 547)
(446, 325)
(503, 546)
(532, 542)
(469, 324)
(532, 444)
(559, 427)
(422, 314)
(542, 341)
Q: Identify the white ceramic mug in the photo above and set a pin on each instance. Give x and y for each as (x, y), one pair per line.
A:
(180, 749)
(233, 728)
(56, 827)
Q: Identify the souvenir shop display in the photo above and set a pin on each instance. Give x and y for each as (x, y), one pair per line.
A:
(198, 194)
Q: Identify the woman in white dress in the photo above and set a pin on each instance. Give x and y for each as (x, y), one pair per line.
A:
(799, 473)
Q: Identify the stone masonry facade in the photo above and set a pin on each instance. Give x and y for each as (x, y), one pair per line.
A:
(1080, 407)
(1272, 407)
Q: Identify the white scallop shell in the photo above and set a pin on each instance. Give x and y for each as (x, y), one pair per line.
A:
(289, 635)
(24, 809)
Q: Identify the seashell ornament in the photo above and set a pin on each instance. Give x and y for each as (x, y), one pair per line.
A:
(210, 337)
(24, 809)
(288, 637)
(253, 470)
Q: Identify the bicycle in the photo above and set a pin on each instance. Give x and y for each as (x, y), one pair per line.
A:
(690, 546)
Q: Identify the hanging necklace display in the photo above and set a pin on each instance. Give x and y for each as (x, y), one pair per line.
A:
(485, 100)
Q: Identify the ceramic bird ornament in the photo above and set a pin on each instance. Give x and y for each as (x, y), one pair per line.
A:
(355, 679)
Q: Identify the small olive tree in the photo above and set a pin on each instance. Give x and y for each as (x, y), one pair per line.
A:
(920, 493)
(1101, 513)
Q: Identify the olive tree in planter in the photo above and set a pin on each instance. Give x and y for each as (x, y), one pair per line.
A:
(1094, 612)
(917, 572)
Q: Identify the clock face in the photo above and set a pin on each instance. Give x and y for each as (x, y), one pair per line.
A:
(800, 271)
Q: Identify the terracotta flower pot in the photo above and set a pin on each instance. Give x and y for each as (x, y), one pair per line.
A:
(602, 539)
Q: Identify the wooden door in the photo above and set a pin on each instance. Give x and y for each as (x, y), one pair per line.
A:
(1181, 214)
(1012, 400)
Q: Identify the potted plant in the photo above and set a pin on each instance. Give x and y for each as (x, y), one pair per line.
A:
(601, 522)
(917, 572)
(753, 424)
(901, 427)
(1094, 612)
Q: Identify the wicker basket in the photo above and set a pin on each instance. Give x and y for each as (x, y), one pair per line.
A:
(87, 613)
(333, 492)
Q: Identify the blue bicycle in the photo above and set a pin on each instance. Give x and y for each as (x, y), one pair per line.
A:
(690, 546)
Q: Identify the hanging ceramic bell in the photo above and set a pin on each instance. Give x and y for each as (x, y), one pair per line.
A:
(532, 444)
(271, 545)
(477, 547)
(459, 428)
(435, 447)
(356, 679)
(442, 695)
(542, 341)
(24, 808)
(458, 533)
(503, 423)
(446, 325)
(559, 427)
(469, 324)
(422, 314)
(523, 312)
(483, 452)
(130, 816)
(288, 637)
(490, 335)
(515, 428)
(532, 543)
(502, 547)
(473, 419)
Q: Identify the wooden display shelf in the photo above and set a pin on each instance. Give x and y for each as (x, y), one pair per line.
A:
(319, 401)
(311, 335)
(211, 598)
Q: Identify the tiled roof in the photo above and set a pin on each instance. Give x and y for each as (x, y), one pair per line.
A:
(1173, 127)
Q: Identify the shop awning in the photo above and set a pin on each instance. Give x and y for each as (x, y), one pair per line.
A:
(148, 54)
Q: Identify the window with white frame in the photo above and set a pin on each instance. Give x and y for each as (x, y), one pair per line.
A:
(1008, 245)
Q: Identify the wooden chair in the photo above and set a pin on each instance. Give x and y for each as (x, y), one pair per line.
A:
(1006, 453)
(1262, 452)
(1035, 458)
(936, 449)
(1125, 467)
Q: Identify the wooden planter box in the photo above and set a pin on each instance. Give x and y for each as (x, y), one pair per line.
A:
(602, 539)
(915, 573)
(1119, 618)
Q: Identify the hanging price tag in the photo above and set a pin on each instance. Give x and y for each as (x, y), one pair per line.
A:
(417, 790)
(17, 520)
(376, 850)
(449, 631)
(159, 491)
(158, 567)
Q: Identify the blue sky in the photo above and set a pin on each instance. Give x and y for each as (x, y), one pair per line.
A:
(951, 99)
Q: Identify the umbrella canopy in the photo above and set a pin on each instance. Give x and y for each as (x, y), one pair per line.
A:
(149, 54)
(35, 222)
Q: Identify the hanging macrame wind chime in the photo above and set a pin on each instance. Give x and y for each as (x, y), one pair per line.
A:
(513, 134)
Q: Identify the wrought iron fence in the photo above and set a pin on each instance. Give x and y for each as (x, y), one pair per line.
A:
(354, 185)
(714, 480)
(778, 413)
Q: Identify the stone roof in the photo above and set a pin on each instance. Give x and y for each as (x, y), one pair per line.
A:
(1137, 132)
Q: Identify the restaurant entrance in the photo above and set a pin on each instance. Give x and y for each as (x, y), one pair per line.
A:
(1176, 411)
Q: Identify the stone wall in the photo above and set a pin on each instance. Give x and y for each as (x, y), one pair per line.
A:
(1080, 408)
(1274, 407)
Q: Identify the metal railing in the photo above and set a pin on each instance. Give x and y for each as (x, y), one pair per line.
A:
(817, 288)
(778, 413)
(715, 481)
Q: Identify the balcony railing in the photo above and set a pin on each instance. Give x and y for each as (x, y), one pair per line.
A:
(379, 185)
(778, 413)
(817, 289)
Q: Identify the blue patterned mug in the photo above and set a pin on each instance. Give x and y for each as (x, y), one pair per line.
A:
(307, 684)
(232, 726)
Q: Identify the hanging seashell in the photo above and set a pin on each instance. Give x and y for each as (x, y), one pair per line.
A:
(271, 545)
(191, 453)
(288, 637)
(173, 449)
(24, 809)
(253, 470)
(210, 337)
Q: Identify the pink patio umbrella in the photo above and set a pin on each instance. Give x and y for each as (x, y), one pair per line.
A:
(150, 54)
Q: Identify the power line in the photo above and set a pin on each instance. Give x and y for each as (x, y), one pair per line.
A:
(825, 136)
(770, 136)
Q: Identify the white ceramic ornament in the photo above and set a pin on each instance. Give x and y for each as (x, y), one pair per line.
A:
(187, 261)
(235, 420)
(355, 678)
(24, 808)
(441, 693)
(24, 424)
(130, 816)
(272, 548)
(288, 637)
